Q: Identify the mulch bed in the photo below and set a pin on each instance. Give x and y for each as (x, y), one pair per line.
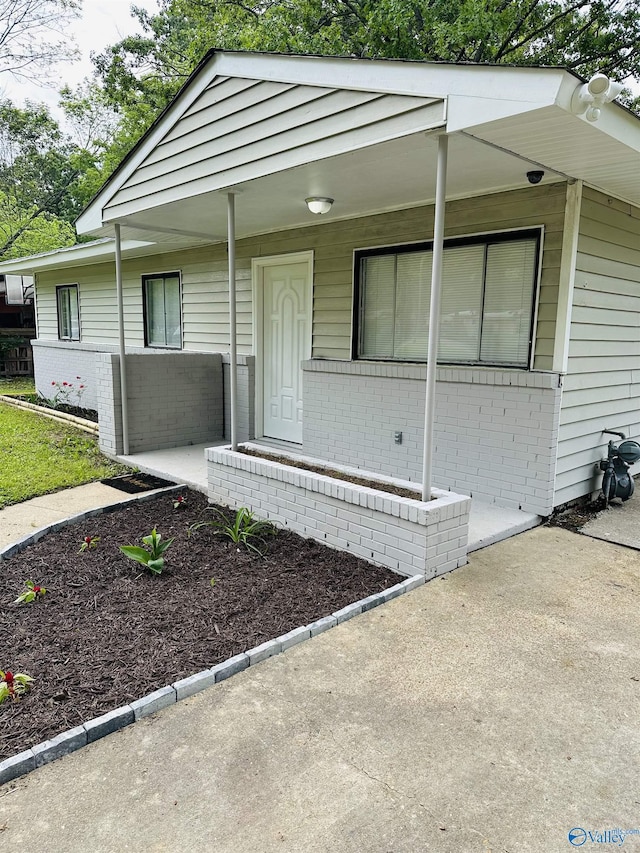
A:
(575, 516)
(78, 411)
(399, 491)
(108, 632)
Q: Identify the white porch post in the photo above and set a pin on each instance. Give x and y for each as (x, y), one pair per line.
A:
(124, 403)
(233, 347)
(434, 315)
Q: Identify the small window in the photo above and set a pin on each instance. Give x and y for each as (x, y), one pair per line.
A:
(162, 310)
(68, 312)
(486, 308)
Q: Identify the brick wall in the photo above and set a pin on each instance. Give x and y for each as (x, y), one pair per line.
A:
(246, 414)
(108, 403)
(408, 536)
(495, 430)
(174, 399)
(64, 362)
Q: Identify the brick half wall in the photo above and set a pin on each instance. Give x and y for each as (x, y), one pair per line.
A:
(496, 431)
(65, 361)
(408, 536)
(175, 399)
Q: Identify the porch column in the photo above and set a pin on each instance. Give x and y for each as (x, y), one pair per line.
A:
(434, 315)
(124, 403)
(233, 347)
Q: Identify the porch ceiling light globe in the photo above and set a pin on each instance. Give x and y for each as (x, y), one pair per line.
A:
(319, 204)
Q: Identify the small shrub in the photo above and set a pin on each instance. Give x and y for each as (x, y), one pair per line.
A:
(32, 592)
(12, 686)
(243, 530)
(89, 543)
(150, 557)
(67, 394)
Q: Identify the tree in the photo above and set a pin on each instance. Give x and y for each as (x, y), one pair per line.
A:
(578, 34)
(33, 37)
(41, 171)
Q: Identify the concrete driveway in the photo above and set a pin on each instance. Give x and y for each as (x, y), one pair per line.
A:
(495, 709)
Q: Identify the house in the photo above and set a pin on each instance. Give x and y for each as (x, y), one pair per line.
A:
(525, 184)
(17, 325)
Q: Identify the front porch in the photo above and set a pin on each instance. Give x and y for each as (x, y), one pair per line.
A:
(488, 522)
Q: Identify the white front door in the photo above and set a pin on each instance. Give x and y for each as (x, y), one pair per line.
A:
(286, 342)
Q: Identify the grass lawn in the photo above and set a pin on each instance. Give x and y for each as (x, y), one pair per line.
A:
(40, 456)
(19, 385)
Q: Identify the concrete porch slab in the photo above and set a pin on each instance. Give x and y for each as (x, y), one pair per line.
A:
(180, 464)
(490, 523)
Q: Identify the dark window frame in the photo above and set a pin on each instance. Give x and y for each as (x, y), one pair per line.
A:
(155, 277)
(67, 288)
(535, 233)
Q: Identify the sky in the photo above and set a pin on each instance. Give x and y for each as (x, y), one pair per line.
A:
(103, 22)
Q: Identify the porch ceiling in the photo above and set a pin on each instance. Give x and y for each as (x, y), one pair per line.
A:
(396, 174)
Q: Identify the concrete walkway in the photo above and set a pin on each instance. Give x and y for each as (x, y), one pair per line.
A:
(620, 523)
(18, 520)
(492, 710)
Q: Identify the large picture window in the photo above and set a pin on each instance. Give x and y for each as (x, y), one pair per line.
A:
(68, 312)
(487, 300)
(162, 312)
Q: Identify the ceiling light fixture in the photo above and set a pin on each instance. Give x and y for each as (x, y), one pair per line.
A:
(319, 204)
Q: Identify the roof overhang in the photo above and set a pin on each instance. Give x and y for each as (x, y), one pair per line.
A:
(276, 129)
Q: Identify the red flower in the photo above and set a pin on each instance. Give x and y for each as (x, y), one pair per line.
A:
(65, 383)
(82, 386)
(53, 383)
(180, 499)
(36, 589)
(8, 677)
(79, 377)
(87, 539)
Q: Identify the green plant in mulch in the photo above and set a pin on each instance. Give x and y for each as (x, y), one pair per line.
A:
(244, 529)
(30, 594)
(89, 543)
(13, 685)
(151, 556)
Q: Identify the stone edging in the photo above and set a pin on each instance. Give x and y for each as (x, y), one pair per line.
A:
(43, 753)
(62, 417)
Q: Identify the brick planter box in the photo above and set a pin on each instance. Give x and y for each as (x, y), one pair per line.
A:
(408, 536)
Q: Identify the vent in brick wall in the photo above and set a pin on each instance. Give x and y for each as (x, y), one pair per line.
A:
(135, 483)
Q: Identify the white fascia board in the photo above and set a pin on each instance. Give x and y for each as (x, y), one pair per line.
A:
(74, 256)
(466, 113)
(399, 77)
(385, 76)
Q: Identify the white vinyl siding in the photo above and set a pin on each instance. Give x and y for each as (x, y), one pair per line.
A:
(205, 301)
(205, 306)
(602, 386)
(68, 312)
(237, 128)
(488, 290)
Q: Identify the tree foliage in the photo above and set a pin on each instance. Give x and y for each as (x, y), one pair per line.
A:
(141, 73)
(32, 35)
(41, 180)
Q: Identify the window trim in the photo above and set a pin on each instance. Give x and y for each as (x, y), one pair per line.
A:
(59, 289)
(486, 238)
(154, 276)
